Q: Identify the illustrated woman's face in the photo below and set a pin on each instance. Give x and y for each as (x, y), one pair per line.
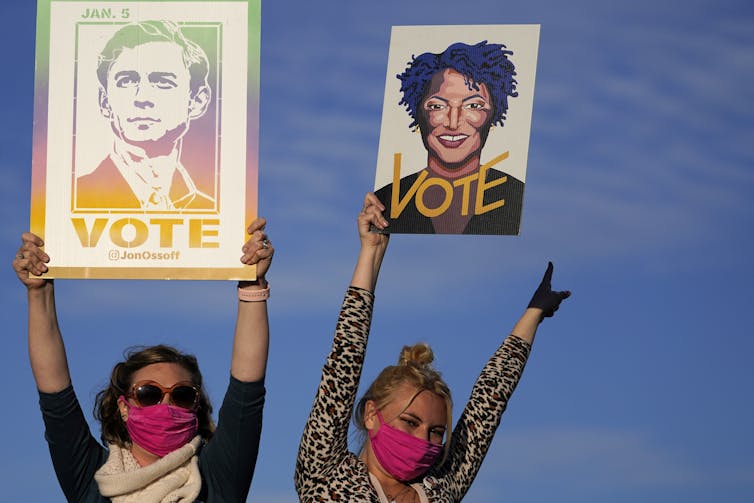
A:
(455, 119)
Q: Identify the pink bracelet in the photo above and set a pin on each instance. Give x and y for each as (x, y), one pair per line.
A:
(254, 295)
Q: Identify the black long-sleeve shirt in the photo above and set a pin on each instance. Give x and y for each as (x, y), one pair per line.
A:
(226, 462)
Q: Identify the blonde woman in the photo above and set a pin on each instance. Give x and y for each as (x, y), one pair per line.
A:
(410, 454)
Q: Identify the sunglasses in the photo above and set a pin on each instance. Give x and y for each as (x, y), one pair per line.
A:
(148, 393)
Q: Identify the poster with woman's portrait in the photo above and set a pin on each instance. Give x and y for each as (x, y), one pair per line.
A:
(145, 140)
(455, 128)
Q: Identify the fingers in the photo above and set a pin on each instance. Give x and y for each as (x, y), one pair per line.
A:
(31, 239)
(558, 298)
(30, 259)
(20, 262)
(562, 295)
(545, 298)
(371, 213)
(30, 256)
(258, 247)
(547, 278)
(257, 225)
(371, 199)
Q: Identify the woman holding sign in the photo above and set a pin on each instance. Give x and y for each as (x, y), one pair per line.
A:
(410, 454)
(155, 415)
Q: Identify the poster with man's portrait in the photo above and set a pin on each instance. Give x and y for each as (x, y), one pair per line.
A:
(145, 143)
(455, 128)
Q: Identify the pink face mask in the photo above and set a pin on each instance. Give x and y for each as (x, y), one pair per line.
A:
(162, 428)
(402, 455)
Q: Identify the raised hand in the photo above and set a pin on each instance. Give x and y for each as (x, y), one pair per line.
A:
(31, 260)
(545, 298)
(371, 217)
(258, 249)
(373, 243)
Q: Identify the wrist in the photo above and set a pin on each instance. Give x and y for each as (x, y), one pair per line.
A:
(373, 251)
(258, 284)
(257, 295)
(40, 290)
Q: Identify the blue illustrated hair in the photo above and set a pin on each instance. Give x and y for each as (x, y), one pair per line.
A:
(481, 63)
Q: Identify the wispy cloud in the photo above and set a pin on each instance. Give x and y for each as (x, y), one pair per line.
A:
(591, 461)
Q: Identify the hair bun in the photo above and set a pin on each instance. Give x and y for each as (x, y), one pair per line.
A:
(419, 354)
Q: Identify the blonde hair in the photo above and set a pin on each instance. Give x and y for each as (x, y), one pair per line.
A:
(415, 370)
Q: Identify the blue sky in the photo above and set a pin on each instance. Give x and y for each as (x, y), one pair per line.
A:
(639, 189)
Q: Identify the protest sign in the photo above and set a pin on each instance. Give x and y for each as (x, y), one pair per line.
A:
(145, 144)
(455, 128)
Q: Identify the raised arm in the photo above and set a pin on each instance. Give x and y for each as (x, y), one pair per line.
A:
(373, 244)
(75, 453)
(228, 460)
(476, 427)
(324, 443)
(46, 350)
(251, 340)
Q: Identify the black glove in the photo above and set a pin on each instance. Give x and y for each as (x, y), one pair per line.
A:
(544, 298)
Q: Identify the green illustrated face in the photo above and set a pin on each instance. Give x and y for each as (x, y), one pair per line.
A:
(148, 96)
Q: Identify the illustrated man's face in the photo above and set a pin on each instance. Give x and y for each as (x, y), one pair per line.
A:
(148, 96)
(455, 119)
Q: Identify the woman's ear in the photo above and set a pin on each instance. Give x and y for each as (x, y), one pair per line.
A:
(370, 415)
(123, 408)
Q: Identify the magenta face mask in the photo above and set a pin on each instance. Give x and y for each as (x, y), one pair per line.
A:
(162, 428)
(402, 455)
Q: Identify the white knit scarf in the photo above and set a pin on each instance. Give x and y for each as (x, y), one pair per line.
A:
(173, 478)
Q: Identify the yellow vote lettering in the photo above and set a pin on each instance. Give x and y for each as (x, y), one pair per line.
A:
(132, 232)
(465, 182)
(479, 206)
(397, 205)
(166, 229)
(89, 239)
(199, 229)
(433, 212)
(423, 182)
(140, 228)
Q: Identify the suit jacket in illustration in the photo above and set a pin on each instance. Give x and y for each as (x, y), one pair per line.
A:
(105, 188)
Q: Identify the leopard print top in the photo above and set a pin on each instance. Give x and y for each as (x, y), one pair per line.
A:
(325, 469)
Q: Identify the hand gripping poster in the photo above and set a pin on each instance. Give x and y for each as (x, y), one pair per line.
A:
(145, 143)
(455, 128)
